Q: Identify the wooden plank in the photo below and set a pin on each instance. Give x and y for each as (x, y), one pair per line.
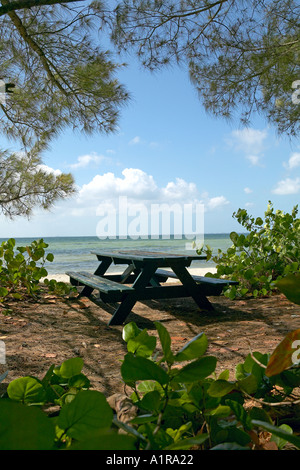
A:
(203, 279)
(99, 283)
(145, 255)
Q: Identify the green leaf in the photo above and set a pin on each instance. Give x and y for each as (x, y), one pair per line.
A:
(290, 286)
(142, 345)
(184, 444)
(279, 440)
(196, 370)
(193, 349)
(70, 367)
(165, 340)
(279, 432)
(220, 387)
(87, 413)
(24, 428)
(136, 368)
(221, 411)
(79, 381)
(150, 401)
(3, 292)
(50, 257)
(130, 330)
(229, 446)
(248, 384)
(240, 413)
(27, 390)
(47, 377)
(108, 440)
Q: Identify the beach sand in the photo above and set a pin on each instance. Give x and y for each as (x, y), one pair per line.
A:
(194, 271)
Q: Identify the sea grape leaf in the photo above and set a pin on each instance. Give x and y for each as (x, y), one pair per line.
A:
(281, 442)
(286, 354)
(150, 401)
(165, 340)
(196, 370)
(86, 413)
(142, 345)
(70, 367)
(290, 286)
(136, 368)
(106, 440)
(193, 349)
(220, 388)
(24, 427)
(240, 413)
(131, 330)
(27, 390)
(279, 432)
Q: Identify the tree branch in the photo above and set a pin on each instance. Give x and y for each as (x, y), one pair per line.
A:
(34, 46)
(25, 4)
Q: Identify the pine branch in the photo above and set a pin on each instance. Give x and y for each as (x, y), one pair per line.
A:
(7, 7)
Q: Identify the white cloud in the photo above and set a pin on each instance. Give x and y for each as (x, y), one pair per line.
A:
(249, 141)
(216, 202)
(179, 190)
(139, 188)
(136, 140)
(254, 160)
(294, 161)
(248, 190)
(48, 169)
(135, 183)
(84, 160)
(287, 186)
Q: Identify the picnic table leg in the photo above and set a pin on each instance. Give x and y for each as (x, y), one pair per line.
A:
(102, 268)
(185, 277)
(127, 273)
(132, 297)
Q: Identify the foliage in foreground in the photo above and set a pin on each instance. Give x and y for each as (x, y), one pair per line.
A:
(268, 251)
(23, 267)
(182, 402)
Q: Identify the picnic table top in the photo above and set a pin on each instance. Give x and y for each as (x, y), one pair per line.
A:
(145, 255)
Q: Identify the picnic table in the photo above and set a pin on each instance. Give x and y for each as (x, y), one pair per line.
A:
(144, 277)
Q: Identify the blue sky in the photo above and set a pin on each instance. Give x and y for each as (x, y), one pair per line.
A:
(168, 149)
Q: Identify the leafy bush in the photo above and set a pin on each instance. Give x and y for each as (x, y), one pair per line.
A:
(83, 417)
(268, 250)
(22, 268)
(182, 402)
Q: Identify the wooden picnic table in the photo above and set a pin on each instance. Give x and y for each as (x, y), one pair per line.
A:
(143, 278)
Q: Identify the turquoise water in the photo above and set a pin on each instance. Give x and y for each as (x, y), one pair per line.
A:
(74, 253)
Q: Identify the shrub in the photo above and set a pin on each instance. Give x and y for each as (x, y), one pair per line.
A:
(182, 402)
(23, 267)
(268, 250)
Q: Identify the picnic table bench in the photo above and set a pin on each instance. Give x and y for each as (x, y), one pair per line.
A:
(145, 278)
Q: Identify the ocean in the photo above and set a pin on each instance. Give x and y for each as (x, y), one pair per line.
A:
(74, 253)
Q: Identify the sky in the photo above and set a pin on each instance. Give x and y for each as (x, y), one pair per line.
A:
(167, 150)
